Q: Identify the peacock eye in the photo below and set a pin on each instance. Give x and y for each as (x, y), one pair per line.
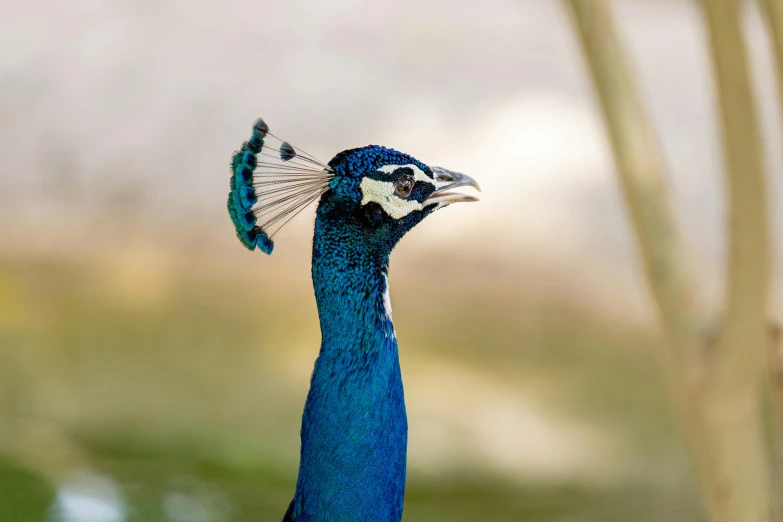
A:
(403, 186)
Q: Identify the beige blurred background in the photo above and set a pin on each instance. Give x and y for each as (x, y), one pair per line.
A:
(151, 369)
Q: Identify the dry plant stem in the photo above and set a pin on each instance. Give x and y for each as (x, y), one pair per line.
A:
(738, 370)
(775, 363)
(773, 15)
(748, 278)
(719, 409)
(772, 11)
(641, 175)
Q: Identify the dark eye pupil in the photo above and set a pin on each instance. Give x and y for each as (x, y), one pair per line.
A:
(403, 187)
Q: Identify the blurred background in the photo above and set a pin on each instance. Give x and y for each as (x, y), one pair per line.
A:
(152, 369)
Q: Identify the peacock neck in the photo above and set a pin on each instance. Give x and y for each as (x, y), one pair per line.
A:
(354, 427)
(351, 292)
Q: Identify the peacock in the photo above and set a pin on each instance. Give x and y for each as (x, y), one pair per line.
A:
(354, 426)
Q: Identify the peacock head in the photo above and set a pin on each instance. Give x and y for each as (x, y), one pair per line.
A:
(371, 195)
(384, 193)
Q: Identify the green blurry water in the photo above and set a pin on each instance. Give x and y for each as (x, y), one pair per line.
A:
(175, 404)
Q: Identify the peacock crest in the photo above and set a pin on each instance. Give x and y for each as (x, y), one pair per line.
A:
(271, 182)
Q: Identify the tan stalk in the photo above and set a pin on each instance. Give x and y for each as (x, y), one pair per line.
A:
(773, 15)
(719, 408)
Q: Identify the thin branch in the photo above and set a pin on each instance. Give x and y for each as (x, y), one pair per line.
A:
(748, 269)
(772, 11)
(737, 374)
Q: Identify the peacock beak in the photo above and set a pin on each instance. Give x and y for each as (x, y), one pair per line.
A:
(446, 180)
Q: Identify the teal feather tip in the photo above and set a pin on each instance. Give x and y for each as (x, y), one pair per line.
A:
(264, 243)
(248, 238)
(268, 189)
(231, 210)
(245, 197)
(255, 143)
(247, 220)
(250, 235)
(256, 238)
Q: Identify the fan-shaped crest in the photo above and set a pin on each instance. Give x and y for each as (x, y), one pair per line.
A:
(271, 182)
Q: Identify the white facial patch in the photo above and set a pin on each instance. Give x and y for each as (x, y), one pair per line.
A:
(382, 192)
(387, 298)
(389, 330)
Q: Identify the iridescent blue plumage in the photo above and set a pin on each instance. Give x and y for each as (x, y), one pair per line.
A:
(248, 238)
(243, 174)
(247, 220)
(265, 244)
(354, 425)
(255, 143)
(245, 197)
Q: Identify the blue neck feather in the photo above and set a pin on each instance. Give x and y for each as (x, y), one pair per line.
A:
(354, 426)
